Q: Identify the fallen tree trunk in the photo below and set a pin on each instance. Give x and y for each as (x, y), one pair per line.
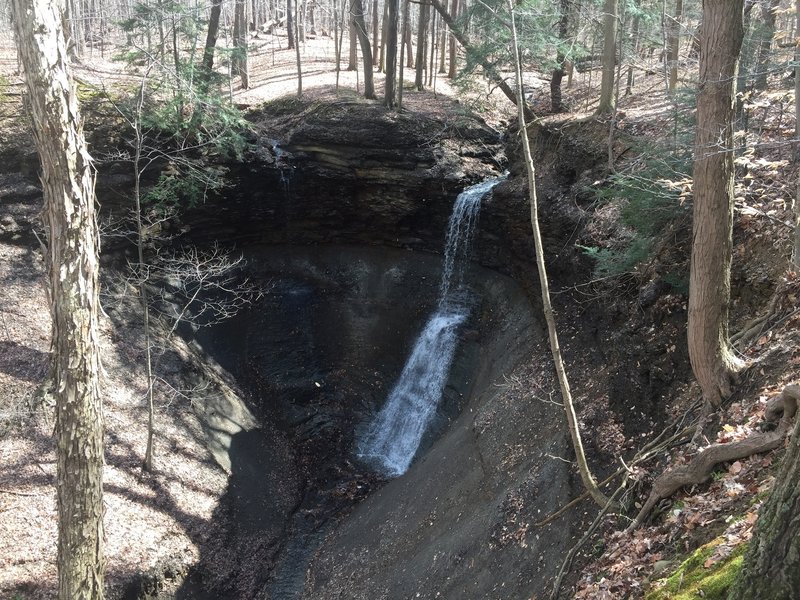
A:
(781, 409)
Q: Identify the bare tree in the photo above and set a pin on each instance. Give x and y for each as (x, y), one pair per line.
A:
(68, 182)
(549, 316)
(712, 358)
(422, 33)
(391, 54)
(239, 59)
(290, 28)
(357, 9)
(451, 70)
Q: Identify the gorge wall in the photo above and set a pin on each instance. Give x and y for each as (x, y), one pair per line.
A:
(340, 210)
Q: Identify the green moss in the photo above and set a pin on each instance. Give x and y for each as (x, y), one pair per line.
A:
(692, 580)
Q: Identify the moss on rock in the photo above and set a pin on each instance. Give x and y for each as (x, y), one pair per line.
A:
(692, 580)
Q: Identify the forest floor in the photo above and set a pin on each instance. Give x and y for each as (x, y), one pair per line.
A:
(152, 520)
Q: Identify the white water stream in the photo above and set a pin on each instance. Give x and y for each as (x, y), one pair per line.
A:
(392, 439)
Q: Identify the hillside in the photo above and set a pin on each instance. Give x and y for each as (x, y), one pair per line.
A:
(339, 208)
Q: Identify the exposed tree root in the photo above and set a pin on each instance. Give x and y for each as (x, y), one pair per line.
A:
(782, 406)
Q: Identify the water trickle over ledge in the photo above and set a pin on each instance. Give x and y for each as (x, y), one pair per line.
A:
(391, 441)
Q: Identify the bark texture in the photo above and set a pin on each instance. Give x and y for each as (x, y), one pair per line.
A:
(609, 60)
(771, 567)
(556, 103)
(211, 39)
(713, 362)
(796, 250)
(240, 59)
(67, 181)
(674, 45)
(389, 98)
(422, 34)
(357, 9)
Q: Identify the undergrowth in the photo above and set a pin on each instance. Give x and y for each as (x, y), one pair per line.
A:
(653, 197)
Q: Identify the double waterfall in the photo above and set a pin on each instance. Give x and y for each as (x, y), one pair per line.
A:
(392, 439)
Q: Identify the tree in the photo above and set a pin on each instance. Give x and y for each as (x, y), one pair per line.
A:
(766, 32)
(556, 104)
(375, 33)
(474, 54)
(609, 59)
(674, 45)
(713, 361)
(211, 42)
(366, 51)
(796, 251)
(352, 62)
(422, 34)
(68, 183)
(771, 566)
(451, 71)
(547, 307)
(405, 35)
(290, 29)
(239, 58)
(391, 54)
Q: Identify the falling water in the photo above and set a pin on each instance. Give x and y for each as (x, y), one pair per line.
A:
(392, 439)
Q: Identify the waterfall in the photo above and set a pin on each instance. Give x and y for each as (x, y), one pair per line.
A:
(392, 439)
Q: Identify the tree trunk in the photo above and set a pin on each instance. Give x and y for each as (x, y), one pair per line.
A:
(352, 62)
(713, 362)
(766, 33)
(375, 24)
(68, 184)
(442, 32)
(366, 50)
(747, 57)
(674, 45)
(556, 104)
(796, 252)
(431, 49)
(300, 21)
(74, 34)
(635, 49)
(384, 34)
(391, 55)
(404, 34)
(451, 68)
(211, 43)
(409, 47)
(547, 307)
(771, 567)
(297, 21)
(422, 34)
(609, 59)
(290, 37)
(240, 62)
(478, 57)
